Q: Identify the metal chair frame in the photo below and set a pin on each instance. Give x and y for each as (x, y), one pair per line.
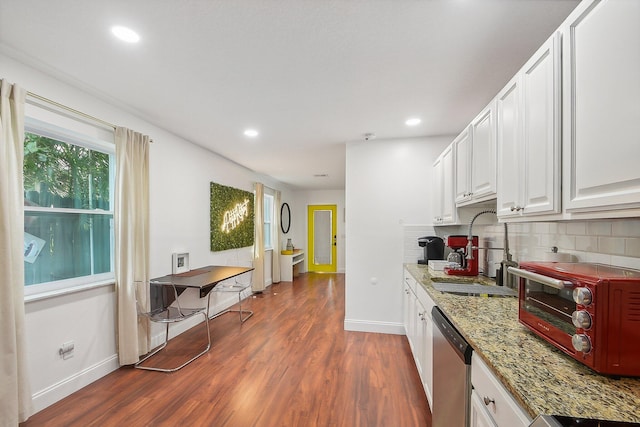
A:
(238, 287)
(168, 315)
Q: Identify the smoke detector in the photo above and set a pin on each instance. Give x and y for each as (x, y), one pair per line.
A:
(369, 136)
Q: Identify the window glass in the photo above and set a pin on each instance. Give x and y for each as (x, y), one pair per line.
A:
(268, 221)
(68, 201)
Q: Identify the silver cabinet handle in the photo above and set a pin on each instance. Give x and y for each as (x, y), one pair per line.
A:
(554, 283)
(487, 401)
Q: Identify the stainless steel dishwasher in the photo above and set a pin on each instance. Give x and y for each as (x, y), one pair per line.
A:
(451, 374)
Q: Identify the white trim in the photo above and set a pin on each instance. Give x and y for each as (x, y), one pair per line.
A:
(37, 296)
(374, 326)
(58, 391)
(94, 211)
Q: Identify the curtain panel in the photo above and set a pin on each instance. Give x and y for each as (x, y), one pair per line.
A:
(257, 282)
(275, 267)
(15, 394)
(131, 220)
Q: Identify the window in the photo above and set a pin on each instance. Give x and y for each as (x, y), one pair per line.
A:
(268, 221)
(68, 207)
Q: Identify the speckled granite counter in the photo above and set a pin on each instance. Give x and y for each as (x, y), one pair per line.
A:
(542, 379)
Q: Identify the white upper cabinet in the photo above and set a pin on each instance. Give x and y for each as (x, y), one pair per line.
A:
(437, 191)
(483, 158)
(510, 149)
(449, 212)
(528, 137)
(476, 159)
(601, 106)
(462, 148)
(444, 210)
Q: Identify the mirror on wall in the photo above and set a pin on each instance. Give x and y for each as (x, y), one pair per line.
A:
(285, 218)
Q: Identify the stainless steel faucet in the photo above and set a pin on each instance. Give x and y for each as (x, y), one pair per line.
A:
(507, 259)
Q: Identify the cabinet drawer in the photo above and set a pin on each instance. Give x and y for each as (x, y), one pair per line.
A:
(503, 408)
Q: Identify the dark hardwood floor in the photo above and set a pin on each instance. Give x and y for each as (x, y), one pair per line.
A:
(291, 364)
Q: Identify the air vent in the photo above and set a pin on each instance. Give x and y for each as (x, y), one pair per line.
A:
(633, 306)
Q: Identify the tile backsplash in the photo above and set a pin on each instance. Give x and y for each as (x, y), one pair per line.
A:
(613, 241)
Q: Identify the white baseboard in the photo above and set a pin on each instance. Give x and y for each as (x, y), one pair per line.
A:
(374, 326)
(67, 386)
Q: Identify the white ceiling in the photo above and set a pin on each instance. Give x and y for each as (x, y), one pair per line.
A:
(310, 75)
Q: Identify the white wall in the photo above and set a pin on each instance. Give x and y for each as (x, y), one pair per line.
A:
(387, 186)
(180, 173)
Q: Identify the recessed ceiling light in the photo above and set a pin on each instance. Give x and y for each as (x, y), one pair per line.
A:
(125, 34)
(414, 121)
(251, 133)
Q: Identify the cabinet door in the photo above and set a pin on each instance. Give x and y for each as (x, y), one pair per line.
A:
(437, 191)
(541, 129)
(601, 118)
(449, 213)
(480, 417)
(418, 337)
(510, 150)
(406, 300)
(483, 154)
(462, 147)
(427, 355)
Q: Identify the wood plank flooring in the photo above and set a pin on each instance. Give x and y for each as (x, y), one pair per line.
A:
(291, 364)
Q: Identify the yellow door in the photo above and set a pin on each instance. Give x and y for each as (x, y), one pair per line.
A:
(321, 254)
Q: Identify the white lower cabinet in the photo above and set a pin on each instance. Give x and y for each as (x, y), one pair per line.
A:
(491, 404)
(409, 308)
(480, 416)
(418, 327)
(426, 345)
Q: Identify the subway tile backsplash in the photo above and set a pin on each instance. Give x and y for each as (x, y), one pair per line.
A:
(613, 241)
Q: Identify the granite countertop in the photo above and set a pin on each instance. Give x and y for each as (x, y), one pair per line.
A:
(541, 378)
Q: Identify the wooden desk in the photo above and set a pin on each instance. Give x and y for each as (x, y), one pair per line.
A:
(205, 278)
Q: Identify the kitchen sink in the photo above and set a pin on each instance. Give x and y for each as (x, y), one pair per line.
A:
(474, 289)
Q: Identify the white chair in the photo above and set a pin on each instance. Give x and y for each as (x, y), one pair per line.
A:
(165, 308)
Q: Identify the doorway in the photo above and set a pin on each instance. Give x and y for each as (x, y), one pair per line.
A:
(322, 238)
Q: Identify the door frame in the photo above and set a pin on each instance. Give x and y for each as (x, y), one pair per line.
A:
(322, 268)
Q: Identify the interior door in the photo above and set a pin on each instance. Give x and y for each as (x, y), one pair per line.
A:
(322, 237)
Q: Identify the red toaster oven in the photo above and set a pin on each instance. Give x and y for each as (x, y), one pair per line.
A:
(589, 311)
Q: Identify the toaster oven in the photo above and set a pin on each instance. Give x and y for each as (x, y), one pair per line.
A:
(589, 311)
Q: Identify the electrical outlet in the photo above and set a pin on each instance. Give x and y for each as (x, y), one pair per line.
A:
(66, 351)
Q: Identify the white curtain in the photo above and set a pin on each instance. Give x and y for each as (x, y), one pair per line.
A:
(275, 268)
(131, 219)
(257, 282)
(15, 393)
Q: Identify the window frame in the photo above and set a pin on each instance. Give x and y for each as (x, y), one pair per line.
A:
(268, 222)
(43, 121)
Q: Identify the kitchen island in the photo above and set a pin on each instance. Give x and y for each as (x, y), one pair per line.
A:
(541, 379)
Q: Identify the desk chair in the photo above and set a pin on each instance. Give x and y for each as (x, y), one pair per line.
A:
(239, 284)
(163, 311)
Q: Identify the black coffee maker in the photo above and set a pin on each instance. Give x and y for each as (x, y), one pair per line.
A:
(433, 248)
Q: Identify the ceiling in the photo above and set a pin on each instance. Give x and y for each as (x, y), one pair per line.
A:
(309, 75)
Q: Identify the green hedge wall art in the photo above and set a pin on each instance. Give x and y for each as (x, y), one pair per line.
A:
(231, 218)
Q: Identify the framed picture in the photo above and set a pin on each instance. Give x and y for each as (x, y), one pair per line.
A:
(180, 263)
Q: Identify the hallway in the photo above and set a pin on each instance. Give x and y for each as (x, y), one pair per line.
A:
(291, 364)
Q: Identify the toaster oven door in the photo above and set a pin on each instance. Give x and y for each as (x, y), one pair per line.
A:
(546, 306)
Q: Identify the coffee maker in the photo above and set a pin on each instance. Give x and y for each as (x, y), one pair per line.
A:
(433, 248)
(466, 266)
